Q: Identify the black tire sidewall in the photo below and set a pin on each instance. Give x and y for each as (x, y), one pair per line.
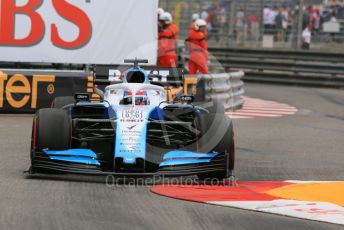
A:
(53, 129)
(217, 135)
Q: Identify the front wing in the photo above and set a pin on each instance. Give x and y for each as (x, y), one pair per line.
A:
(84, 161)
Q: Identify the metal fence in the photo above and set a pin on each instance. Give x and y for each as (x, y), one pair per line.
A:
(244, 23)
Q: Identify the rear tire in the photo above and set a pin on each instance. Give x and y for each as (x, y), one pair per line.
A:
(217, 135)
(60, 102)
(213, 107)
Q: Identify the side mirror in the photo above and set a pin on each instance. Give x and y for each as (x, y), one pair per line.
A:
(187, 99)
(81, 97)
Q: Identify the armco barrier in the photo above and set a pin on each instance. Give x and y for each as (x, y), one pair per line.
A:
(26, 91)
(227, 88)
(305, 68)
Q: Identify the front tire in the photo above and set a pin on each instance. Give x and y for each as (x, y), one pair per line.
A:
(217, 135)
(51, 130)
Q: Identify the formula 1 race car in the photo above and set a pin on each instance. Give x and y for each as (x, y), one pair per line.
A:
(132, 131)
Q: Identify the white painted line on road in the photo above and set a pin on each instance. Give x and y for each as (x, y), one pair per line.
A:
(258, 108)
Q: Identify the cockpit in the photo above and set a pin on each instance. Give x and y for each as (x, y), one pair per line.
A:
(135, 94)
(141, 98)
(136, 89)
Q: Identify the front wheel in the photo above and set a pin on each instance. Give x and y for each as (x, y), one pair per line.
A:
(217, 135)
(51, 130)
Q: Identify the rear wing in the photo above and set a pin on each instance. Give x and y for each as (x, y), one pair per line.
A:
(106, 75)
(172, 79)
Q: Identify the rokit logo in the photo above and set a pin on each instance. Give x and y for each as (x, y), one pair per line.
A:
(9, 9)
(18, 89)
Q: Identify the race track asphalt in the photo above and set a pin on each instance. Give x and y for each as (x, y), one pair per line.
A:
(305, 146)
